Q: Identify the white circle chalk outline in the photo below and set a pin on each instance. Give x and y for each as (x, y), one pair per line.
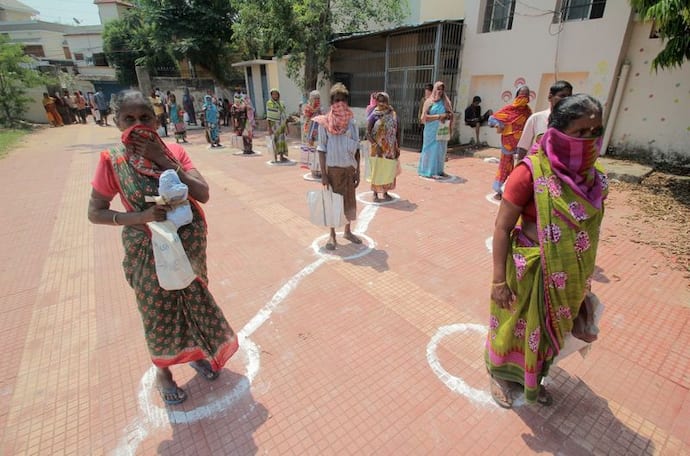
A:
(251, 354)
(288, 162)
(444, 180)
(370, 244)
(242, 154)
(360, 198)
(490, 198)
(310, 177)
(453, 383)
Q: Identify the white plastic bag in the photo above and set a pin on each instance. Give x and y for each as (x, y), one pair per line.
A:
(269, 145)
(174, 192)
(572, 344)
(326, 208)
(172, 265)
(365, 156)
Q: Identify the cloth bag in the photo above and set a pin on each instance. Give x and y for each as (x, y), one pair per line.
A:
(443, 132)
(173, 269)
(326, 208)
(383, 170)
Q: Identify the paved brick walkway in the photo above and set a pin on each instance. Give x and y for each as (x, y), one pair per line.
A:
(373, 351)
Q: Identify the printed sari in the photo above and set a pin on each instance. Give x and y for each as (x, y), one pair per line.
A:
(550, 279)
(383, 132)
(183, 325)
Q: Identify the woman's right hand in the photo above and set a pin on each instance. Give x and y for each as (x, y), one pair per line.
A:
(502, 295)
(324, 180)
(156, 213)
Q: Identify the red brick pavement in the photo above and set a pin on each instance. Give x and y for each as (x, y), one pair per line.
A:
(336, 354)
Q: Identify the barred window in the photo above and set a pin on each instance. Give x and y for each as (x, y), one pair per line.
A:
(579, 10)
(498, 15)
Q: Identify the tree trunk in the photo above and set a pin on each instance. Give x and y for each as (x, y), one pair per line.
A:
(311, 73)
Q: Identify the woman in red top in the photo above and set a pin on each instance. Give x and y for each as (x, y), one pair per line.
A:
(544, 250)
(181, 325)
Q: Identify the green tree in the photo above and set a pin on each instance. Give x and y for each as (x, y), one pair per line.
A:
(303, 29)
(199, 30)
(16, 75)
(672, 21)
(129, 42)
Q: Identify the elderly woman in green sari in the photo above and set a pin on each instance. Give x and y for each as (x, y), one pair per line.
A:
(543, 265)
(277, 117)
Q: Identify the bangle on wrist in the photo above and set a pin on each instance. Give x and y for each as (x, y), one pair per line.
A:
(177, 170)
(115, 214)
(498, 284)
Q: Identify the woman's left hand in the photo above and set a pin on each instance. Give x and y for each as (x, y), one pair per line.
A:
(502, 295)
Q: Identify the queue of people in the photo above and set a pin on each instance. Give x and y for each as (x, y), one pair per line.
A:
(544, 244)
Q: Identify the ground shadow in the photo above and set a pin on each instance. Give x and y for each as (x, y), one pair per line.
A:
(402, 205)
(376, 259)
(229, 431)
(599, 275)
(578, 422)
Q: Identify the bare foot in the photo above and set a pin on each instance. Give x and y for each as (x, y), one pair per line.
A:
(352, 238)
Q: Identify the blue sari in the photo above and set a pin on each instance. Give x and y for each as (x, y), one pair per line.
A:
(433, 157)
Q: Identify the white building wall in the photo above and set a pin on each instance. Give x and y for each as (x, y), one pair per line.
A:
(51, 41)
(85, 44)
(653, 119)
(109, 12)
(533, 52)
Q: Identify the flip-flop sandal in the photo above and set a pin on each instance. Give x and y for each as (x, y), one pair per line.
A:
(502, 397)
(544, 398)
(173, 395)
(203, 368)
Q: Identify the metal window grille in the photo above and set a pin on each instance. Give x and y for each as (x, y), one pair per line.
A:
(498, 15)
(579, 10)
(401, 63)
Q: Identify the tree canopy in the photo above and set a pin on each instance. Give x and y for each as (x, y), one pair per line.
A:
(15, 75)
(672, 21)
(199, 30)
(303, 29)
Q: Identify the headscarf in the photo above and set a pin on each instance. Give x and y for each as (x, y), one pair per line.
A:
(384, 119)
(515, 113)
(436, 96)
(572, 160)
(313, 105)
(372, 103)
(338, 118)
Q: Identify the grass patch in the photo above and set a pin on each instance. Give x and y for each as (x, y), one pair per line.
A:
(9, 138)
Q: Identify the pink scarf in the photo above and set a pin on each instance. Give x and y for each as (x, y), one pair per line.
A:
(337, 119)
(572, 160)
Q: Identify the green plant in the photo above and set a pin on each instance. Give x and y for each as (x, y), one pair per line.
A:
(16, 75)
(9, 138)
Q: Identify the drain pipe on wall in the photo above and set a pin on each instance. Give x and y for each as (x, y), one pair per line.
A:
(615, 106)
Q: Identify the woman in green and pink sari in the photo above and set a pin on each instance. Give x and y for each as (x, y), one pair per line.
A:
(181, 326)
(544, 250)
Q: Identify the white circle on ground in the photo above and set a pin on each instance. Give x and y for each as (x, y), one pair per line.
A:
(242, 154)
(489, 243)
(283, 163)
(456, 384)
(490, 198)
(310, 177)
(159, 415)
(367, 246)
(360, 198)
(448, 179)
(492, 160)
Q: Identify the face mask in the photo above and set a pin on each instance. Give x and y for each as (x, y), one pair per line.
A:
(579, 154)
